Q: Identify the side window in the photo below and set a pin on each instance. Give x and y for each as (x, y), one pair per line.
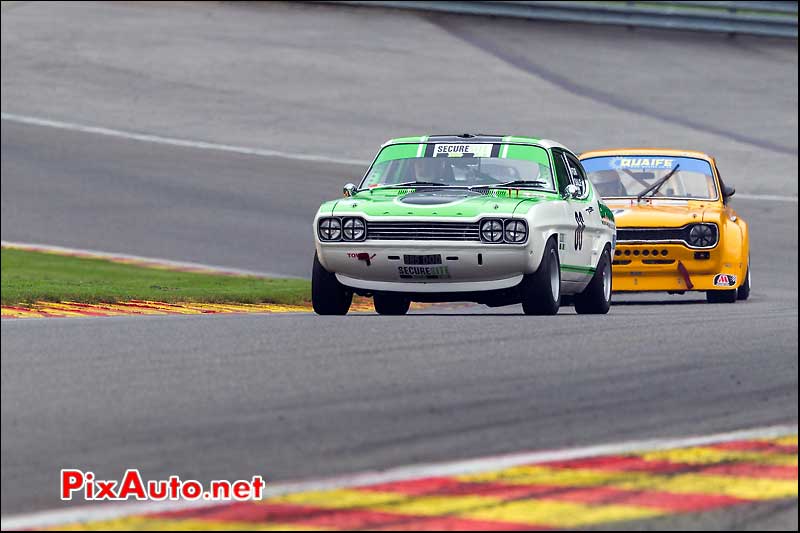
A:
(561, 170)
(577, 174)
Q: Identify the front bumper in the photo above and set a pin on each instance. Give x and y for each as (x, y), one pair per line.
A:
(637, 268)
(465, 267)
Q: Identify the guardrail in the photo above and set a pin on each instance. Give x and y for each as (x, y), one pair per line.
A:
(774, 19)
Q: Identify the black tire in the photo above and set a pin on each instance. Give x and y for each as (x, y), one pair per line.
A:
(541, 291)
(721, 297)
(328, 296)
(390, 304)
(596, 297)
(743, 292)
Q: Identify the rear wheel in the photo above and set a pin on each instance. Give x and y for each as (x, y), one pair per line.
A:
(541, 291)
(743, 292)
(328, 296)
(390, 304)
(596, 297)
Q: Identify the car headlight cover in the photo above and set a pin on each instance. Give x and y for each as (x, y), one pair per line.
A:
(702, 235)
(330, 229)
(492, 231)
(354, 229)
(516, 231)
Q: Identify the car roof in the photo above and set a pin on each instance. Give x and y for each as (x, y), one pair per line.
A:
(477, 138)
(647, 151)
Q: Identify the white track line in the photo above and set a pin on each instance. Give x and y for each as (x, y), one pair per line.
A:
(214, 269)
(766, 197)
(173, 141)
(499, 462)
(203, 145)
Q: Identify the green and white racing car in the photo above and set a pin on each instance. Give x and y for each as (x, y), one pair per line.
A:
(487, 219)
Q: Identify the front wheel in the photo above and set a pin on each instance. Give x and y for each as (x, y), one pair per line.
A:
(328, 296)
(596, 297)
(389, 304)
(541, 291)
(743, 292)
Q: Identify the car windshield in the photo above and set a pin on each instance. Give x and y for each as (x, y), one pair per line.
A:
(461, 165)
(631, 175)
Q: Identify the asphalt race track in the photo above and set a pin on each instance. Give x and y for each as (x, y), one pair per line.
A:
(301, 396)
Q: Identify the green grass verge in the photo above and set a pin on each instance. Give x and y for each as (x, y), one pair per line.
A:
(33, 276)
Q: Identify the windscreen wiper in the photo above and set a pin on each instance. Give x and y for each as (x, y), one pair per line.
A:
(533, 183)
(657, 185)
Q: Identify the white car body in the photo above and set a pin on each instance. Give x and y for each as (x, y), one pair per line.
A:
(581, 225)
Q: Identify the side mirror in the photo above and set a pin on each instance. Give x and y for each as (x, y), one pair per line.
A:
(349, 190)
(571, 191)
(728, 191)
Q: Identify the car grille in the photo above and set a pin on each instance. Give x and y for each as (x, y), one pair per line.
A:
(657, 235)
(423, 231)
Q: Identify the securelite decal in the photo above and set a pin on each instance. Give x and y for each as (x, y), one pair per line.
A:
(423, 272)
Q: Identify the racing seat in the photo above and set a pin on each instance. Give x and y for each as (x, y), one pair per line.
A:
(608, 184)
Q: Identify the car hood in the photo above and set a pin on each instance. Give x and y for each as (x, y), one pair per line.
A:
(427, 202)
(662, 213)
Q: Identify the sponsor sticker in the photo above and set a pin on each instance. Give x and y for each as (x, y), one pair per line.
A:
(423, 272)
(641, 163)
(361, 256)
(724, 280)
(462, 150)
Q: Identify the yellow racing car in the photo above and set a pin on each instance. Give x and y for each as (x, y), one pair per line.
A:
(676, 230)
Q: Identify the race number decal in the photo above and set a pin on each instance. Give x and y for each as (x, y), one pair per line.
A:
(579, 230)
(462, 150)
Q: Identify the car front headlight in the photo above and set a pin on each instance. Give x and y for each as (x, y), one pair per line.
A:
(354, 229)
(330, 229)
(516, 231)
(702, 235)
(492, 231)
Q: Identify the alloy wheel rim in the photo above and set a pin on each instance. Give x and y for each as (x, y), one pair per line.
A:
(749, 278)
(607, 281)
(555, 285)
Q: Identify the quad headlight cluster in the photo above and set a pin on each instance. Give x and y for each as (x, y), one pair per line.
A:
(338, 229)
(494, 230)
(702, 235)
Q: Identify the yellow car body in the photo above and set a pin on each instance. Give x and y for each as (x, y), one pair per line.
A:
(653, 252)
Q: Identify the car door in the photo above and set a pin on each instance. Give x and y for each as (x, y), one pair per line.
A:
(570, 249)
(586, 220)
(589, 233)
